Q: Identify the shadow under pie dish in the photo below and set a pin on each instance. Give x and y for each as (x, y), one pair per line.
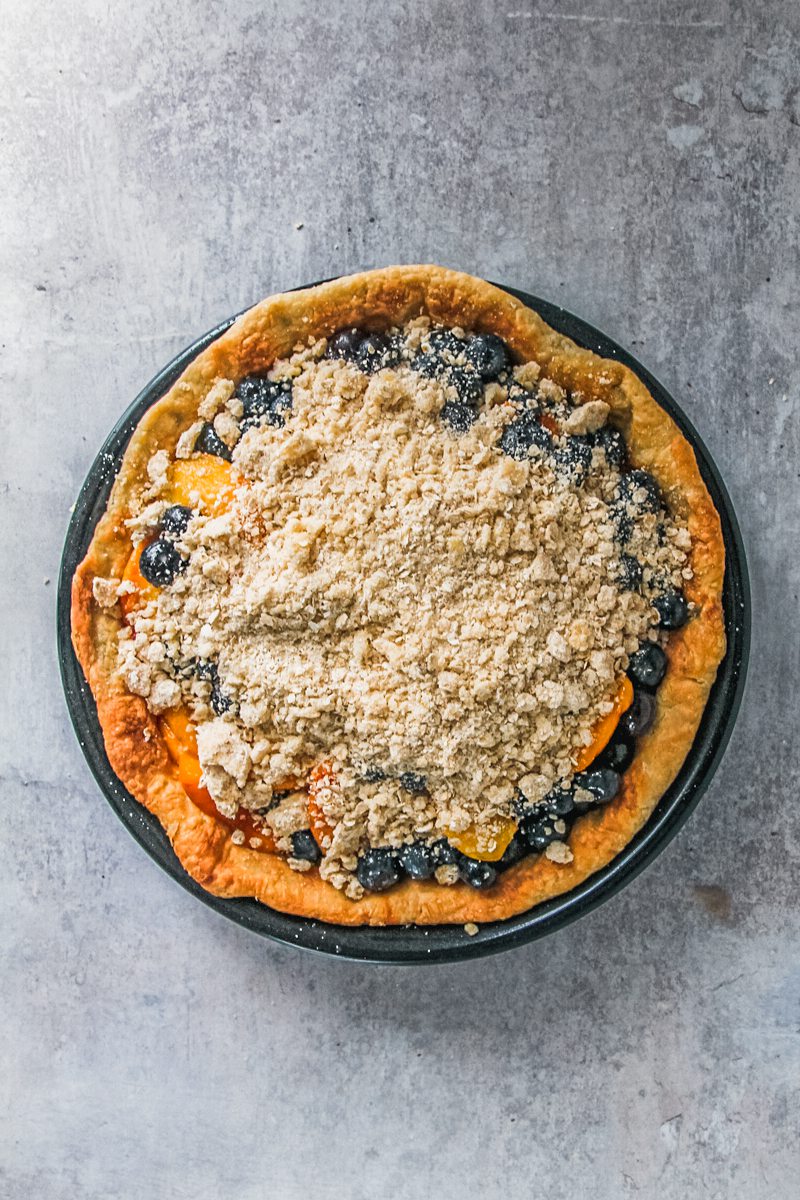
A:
(434, 594)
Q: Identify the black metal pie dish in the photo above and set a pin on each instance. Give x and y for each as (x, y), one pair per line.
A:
(438, 943)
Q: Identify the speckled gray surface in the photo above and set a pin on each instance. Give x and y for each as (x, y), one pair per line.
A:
(637, 163)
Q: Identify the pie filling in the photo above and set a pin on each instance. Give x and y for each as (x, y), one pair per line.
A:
(399, 606)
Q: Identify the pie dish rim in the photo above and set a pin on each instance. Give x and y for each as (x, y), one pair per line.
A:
(528, 924)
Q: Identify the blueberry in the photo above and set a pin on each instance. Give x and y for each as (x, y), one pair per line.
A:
(612, 443)
(219, 701)
(639, 717)
(160, 562)
(378, 869)
(539, 832)
(378, 350)
(618, 754)
(673, 611)
(443, 349)
(374, 774)
(648, 665)
(467, 385)
(344, 344)
(630, 573)
(477, 874)
(457, 416)
(445, 343)
(636, 482)
(209, 442)
(175, 520)
(515, 850)
(523, 432)
(418, 860)
(560, 802)
(263, 399)
(623, 524)
(412, 782)
(205, 669)
(305, 847)
(602, 782)
(444, 854)
(488, 354)
(428, 364)
(574, 458)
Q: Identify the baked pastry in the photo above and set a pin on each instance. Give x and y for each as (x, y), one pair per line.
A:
(404, 608)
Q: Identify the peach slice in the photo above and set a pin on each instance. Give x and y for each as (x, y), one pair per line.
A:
(604, 729)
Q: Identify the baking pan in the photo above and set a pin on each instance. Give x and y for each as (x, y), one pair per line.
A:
(437, 943)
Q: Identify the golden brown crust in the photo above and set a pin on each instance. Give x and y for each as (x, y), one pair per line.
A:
(269, 331)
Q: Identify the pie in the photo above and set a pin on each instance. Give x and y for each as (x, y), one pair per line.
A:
(404, 607)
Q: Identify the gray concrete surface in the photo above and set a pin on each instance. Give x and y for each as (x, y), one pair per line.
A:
(165, 164)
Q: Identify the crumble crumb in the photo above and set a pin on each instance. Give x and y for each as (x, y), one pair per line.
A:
(559, 852)
(471, 928)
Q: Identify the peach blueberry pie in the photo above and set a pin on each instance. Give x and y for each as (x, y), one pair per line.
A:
(404, 607)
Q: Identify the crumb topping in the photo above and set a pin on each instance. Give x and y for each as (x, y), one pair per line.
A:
(441, 621)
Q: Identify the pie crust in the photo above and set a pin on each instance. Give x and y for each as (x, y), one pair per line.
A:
(375, 300)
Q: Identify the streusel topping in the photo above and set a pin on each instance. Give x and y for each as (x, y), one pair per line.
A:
(437, 615)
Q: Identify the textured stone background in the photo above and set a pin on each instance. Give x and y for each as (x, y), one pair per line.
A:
(637, 162)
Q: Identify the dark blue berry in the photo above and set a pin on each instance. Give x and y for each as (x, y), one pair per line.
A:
(305, 847)
(639, 717)
(673, 611)
(539, 831)
(516, 849)
(468, 386)
(160, 562)
(488, 354)
(633, 484)
(560, 802)
(378, 869)
(630, 573)
(378, 350)
(374, 774)
(524, 432)
(457, 416)
(412, 782)
(477, 874)
(444, 854)
(206, 669)
(263, 399)
(209, 442)
(418, 860)
(445, 343)
(344, 344)
(612, 443)
(619, 753)
(175, 520)
(602, 782)
(219, 701)
(648, 665)
(428, 364)
(574, 458)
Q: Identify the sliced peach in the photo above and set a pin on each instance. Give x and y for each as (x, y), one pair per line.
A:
(604, 729)
(144, 589)
(179, 734)
(486, 844)
(212, 479)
